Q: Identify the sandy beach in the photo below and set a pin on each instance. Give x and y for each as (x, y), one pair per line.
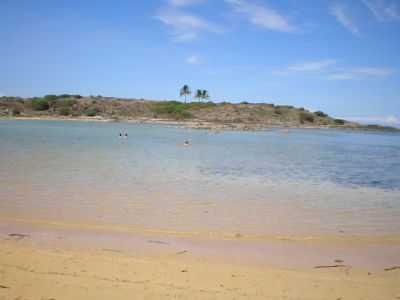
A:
(49, 262)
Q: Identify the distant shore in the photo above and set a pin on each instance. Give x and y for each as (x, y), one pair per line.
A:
(196, 124)
(209, 115)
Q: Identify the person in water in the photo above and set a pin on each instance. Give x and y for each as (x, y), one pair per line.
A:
(186, 143)
(120, 135)
(126, 135)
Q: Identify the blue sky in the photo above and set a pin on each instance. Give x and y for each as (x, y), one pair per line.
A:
(341, 57)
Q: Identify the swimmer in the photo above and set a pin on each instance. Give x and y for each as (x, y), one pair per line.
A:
(186, 143)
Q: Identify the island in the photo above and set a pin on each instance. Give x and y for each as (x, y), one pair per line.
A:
(195, 114)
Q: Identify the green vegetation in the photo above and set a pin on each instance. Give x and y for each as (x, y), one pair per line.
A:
(15, 111)
(185, 91)
(306, 117)
(64, 111)
(40, 104)
(50, 97)
(91, 111)
(199, 94)
(380, 127)
(339, 121)
(202, 95)
(321, 114)
(244, 115)
(278, 110)
(66, 102)
(176, 109)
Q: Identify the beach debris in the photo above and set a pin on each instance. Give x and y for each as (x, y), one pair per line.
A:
(392, 268)
(238, 235)
(4, 286)
(184, 271)
(17, 236)
(157, 242)
(112, 250)
(339, 261)
(330, 266)
(181, 252)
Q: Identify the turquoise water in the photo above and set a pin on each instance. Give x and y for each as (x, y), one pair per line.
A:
(247, 181)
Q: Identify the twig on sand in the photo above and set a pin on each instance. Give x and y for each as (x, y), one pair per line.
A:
(331, 266)
(392, 268)
(4, 287)
(112, 250)
(157, 242)
(18, 236)
(182, 252)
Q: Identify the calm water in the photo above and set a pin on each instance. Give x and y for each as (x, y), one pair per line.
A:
(304, 182)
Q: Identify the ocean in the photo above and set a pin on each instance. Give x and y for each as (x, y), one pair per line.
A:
(308, 182)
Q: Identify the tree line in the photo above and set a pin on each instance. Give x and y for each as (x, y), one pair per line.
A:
(199, 95)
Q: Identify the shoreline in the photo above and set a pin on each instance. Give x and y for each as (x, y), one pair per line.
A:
(204, 235)
(371, 252)
(61, 264)
(198, 124)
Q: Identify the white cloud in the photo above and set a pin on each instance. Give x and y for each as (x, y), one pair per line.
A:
(262, 16)
(344, 18)
(193, 60)
(186, 26)
(307, 66)
(384, 10)
(385, 120)
(357, 73)
(312, 65)
(185, 2)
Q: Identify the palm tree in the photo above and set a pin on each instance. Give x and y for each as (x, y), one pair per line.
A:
(205, 95)
(185, 91)
(199, 94)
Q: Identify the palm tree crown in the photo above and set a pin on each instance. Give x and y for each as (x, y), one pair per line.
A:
(205, 95)
(199, 94)
(185, 91)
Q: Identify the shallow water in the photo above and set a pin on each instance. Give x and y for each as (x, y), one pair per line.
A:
(307, 182)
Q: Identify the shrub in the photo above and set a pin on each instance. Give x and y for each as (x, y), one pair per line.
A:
(40, 104)
(198, 105)
(64, 111)
(50, 97)
(91, 111)
(321, 114)
(66, 102)
(306, 117)
(64, 96)
(244, 102)
(339, 122)
(15, 111)
(173, 108)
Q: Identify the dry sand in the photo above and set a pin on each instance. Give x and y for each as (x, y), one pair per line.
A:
(55, 264)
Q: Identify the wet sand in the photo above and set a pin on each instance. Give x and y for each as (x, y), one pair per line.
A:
(40, 261)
